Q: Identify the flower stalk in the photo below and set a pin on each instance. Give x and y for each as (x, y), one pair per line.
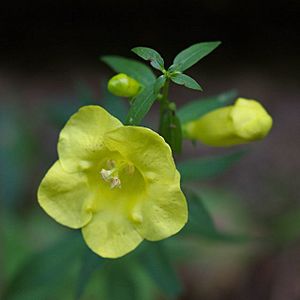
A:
(169, 124)
(164, 101)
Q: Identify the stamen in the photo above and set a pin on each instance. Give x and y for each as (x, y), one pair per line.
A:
(106, 174)
(115, 182)
(111, 164)
(130, 169)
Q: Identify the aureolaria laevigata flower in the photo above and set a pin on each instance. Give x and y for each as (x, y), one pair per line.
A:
(119, 184)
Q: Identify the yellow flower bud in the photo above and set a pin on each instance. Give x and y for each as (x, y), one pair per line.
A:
(243, 122)
(123, 86)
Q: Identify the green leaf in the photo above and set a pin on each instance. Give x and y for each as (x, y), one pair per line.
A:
(120, 279)
(200, 220)
(201, 223)
(121, 287)
(18, 153)
(156, 262)
(187, 81)
(153, 56)
(125, 278)
(46, 271)
(131, 67)
(192, 55)
(14, 244)
(170, 129)
(159, 83)
(197, 108)
(90, 263)
(208, 167)
(141, 105)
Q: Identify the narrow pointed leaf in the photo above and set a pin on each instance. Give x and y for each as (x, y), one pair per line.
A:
(187, 81)
(208, 167)
(153, 56)
(197, 108)
(159, 83)
(190, 56)
(131, 67)
(141, 105)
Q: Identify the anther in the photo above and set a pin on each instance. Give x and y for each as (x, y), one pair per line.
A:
(106, 174)
(111, 164)
(130, 169)
(115, 182)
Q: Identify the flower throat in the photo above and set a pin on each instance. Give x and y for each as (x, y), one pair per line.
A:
(112, 174)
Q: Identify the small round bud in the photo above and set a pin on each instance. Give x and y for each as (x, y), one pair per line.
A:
(123, 86)
(172, 106)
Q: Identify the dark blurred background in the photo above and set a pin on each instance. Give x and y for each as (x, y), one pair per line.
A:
(50, 53)
(46, 37)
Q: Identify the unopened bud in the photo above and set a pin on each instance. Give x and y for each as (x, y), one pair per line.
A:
(123, 86)
(241, 123)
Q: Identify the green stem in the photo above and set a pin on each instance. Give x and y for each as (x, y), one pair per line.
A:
(164, 101)
(165, 91)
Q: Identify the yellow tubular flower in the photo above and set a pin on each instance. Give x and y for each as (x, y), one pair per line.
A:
(123, 86)
(119, 184)
(243, 122)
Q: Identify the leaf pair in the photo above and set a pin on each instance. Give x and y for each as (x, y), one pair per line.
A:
(184, 60)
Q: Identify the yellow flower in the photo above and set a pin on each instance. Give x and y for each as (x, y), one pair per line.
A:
(123, 86)
(119, 184)
(243, 122)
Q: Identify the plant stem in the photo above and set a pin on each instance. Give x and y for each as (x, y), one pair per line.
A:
(165, 91)
(164, 101)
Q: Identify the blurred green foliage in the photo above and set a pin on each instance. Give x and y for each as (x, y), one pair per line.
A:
(17, 148)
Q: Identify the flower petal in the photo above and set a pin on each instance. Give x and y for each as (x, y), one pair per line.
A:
(164, 211)
(64, 196)
(81, 140)
(111, 235)
(146, 149)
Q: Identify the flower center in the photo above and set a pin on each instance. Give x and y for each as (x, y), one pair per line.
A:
(113, 171)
